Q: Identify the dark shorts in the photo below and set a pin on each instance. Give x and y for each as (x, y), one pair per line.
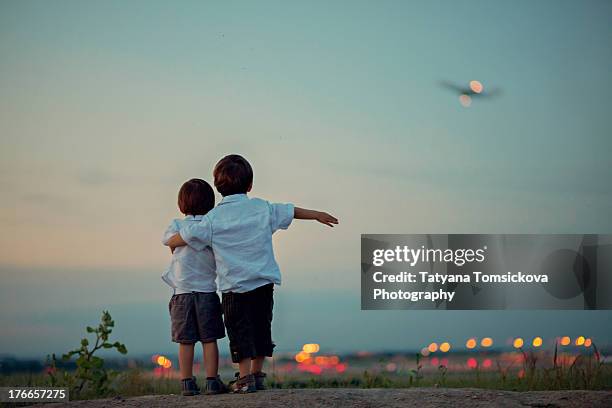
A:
(196, 317)
(248, 320)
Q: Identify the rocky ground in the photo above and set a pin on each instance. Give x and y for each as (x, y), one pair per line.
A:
(361, 398)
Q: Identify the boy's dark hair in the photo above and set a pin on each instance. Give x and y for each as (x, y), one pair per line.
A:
(196, 197)
(233, 175)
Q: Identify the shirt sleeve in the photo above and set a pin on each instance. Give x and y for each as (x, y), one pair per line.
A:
(281, 216)
(172, 229)
(198, 235)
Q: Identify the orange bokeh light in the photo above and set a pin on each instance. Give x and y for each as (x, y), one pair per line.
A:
(302, 356)
(580, 340)
(471, 343)
(537, 342)
(588, 342)
(565, 341)
(445, 347)
(517, 343)
(486, 342)
(311, 348)
(433, 347)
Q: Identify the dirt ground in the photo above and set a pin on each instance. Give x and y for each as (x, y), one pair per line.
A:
(362, 398)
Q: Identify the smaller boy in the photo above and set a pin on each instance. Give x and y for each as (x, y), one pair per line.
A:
(195, 310)
(239, 230)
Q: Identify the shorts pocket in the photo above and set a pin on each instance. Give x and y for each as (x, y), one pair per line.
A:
(183, 319)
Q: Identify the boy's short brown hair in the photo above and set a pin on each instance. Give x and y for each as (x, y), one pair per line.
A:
(233, 175)
(196, 197)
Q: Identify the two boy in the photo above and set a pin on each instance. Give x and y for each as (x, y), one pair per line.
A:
(239, 232)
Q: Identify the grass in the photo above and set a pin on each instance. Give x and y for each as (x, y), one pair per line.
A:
(564, 372)
(128, 383)
(578, 375)
(539, 381)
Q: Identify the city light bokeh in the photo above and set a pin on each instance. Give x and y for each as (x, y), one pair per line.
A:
(311, 359)
(518, 342)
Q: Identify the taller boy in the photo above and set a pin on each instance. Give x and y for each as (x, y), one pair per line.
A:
(239, 231)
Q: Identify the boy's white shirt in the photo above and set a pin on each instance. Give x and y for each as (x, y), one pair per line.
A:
(190, 270)
(239, 230)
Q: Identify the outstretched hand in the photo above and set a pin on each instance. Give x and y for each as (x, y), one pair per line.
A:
(325, 218)
(321, 216)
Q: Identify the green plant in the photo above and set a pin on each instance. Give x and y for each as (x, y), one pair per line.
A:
(585, 371)
(442, 369)
(503, 372)
(415, 374)
(90, 376)
(375, 381)
(56, 377)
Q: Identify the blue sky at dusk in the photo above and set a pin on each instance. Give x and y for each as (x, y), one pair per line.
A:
(107, 107)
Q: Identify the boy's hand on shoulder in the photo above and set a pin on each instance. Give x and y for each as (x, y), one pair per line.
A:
(175, 241)
(325, 218)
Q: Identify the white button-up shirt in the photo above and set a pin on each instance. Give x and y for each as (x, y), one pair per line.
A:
(191, 270)
(239, 230)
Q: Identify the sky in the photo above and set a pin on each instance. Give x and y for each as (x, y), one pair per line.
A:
(108, 107)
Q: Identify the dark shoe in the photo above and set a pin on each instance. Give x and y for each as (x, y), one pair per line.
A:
(190, 387)
(243, 385)
(215, 386)
(260, 380)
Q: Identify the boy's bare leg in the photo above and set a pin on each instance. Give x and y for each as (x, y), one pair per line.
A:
(186, 360)
(257, 364)
(244, 367)
(211, 358)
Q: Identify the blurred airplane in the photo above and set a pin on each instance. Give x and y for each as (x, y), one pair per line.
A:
(474, 89)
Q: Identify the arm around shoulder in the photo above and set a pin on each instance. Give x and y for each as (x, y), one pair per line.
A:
(176, 241)
(172, 229)
(197, 235)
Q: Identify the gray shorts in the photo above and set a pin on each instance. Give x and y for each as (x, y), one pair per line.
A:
(196, 316)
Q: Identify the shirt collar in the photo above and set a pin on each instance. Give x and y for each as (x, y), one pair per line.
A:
(233, 198)
(194, 217)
